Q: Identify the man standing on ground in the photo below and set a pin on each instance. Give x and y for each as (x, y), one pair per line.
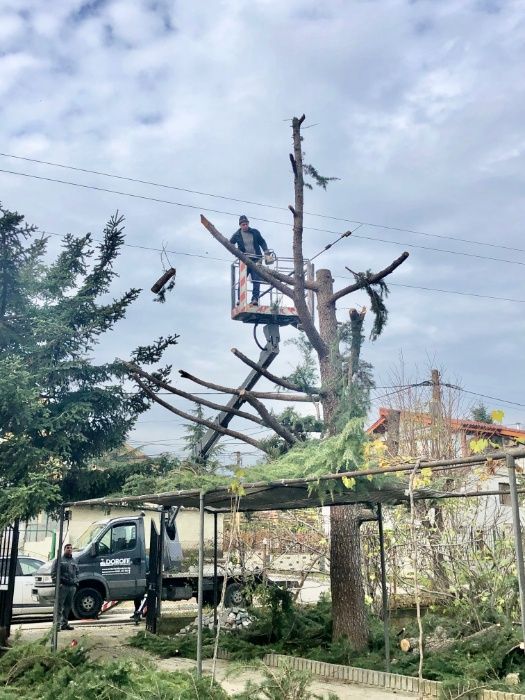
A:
(250, 242)
(67, 585)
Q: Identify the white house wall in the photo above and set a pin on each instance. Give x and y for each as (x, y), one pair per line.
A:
(83, 516)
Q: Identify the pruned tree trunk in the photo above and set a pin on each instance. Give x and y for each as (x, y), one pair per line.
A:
(346, 577)
(348, 604)
(392, 432)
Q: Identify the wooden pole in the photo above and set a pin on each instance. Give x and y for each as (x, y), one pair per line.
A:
(518, 544)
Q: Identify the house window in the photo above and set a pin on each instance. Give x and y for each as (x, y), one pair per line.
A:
(504, 495)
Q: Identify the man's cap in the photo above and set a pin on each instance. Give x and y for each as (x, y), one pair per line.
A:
(243, 219)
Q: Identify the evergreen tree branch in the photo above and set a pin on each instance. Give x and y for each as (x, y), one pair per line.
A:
(281, 381)
(194, 419)
(320, 180)
(98, 281)
(370, 279)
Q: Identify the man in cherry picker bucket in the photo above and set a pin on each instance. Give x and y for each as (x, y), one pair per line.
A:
(250, 242)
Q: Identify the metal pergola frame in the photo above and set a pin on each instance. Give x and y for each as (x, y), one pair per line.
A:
(288, 494)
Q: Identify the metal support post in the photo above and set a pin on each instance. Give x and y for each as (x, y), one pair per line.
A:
(160, 563)
(54, 636)
(384, 590)
(518, 544)
(215, 582)
(200, 586)
(267, 356)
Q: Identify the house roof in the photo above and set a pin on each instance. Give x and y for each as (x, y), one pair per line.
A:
(457, 424)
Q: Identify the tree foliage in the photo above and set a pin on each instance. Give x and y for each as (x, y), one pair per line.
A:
(58, 408)
(481, 413)
(195, 433)
(306, 373)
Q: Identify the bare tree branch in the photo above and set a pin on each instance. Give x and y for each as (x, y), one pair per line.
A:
(135, 370)
(371, 279)
(201, 421)
(299, 287)
(281, 381)
(274, 396)
(270, 420)
(294, 165)
(266, 275)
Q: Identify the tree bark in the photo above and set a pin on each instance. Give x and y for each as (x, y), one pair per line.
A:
(392, 432)
(356, 319)
(346, 578)
(346, 575)
(348, 606)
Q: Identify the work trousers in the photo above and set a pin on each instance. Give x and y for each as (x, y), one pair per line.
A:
(256, 280)
(65, 603)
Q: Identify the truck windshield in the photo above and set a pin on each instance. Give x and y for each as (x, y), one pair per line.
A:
(89, 535)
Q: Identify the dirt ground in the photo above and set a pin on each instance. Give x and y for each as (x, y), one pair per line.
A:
(107, 639)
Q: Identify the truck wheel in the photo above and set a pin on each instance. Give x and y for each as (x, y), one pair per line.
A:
(235, 596)
(87, 603)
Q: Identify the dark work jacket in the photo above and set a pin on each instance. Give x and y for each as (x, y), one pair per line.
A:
(259, 244)
(68, 571)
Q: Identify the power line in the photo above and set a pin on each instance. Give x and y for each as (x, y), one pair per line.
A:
(439, 250)
(259, 204)
(225, 260)
(403, 387)
(342, 277)
(330, 245)
(485, 396)
(269, 221)
(450, 291)
(443, 291)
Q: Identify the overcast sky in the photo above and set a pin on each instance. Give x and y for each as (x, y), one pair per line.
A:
(417, 107)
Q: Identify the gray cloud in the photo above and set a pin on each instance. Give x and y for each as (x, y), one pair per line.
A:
(418, 109)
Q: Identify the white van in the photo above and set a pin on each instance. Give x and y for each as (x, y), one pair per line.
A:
(24, 601)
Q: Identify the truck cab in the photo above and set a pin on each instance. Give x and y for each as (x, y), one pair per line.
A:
(112, 562)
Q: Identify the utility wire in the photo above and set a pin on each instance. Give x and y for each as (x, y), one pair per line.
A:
(390, 284)
(450, 291)
(269, 221)
(225, 260)
(259, 204)
(443, 291)
(484, 396)
(403, 387)
(330, 245)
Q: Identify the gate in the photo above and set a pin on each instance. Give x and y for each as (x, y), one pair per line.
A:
(153, 577)
(8, 561)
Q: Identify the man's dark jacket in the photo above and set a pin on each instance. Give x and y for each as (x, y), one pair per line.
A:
(259, 244)
(68, 571)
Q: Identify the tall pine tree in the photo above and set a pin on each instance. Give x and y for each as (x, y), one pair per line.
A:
(58, 409)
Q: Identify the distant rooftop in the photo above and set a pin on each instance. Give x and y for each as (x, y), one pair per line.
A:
(457, 424)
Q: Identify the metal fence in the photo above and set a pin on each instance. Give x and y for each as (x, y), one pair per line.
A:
(8, 560)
